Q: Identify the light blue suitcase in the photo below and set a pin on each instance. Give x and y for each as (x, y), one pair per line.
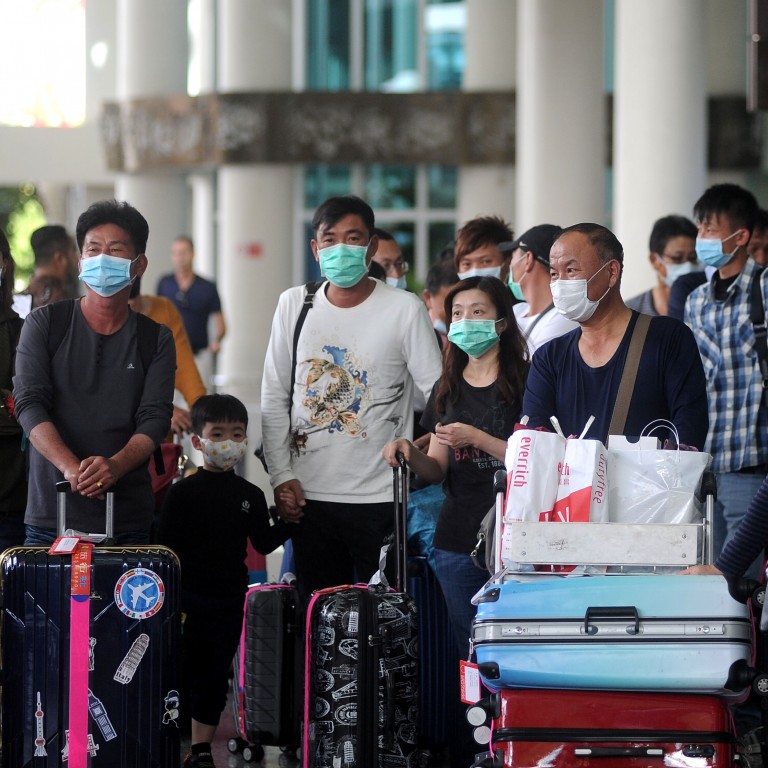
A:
(633, 633)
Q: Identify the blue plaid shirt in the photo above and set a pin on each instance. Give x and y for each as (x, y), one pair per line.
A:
(738, 422)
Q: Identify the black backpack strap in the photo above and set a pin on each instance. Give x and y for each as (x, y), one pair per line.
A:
(147, 334)
(757, 317)
(60, 316)
(311, 289)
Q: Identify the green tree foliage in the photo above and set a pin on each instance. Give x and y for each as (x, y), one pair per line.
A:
(21, 213)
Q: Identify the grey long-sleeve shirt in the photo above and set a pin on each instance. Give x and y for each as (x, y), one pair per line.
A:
(95, 392)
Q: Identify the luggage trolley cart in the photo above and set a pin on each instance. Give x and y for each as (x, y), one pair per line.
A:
(635, 663)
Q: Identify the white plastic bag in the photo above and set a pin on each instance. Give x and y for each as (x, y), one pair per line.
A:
(654, 485)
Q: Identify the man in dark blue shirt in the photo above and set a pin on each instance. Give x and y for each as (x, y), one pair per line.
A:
(195, 297)
(577, 375)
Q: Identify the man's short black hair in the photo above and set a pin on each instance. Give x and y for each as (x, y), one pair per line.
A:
(667, 227)
(382, 234)
(115, 212)
(335, 208)
(46, 240)
(442, 274)
(761, 220)
(602, 239)
(216, 407)
(737, 203)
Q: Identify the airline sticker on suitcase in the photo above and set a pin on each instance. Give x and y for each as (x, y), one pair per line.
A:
(139, 593)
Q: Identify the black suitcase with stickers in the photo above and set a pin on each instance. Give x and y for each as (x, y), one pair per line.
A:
(90, 649)
(361, 675)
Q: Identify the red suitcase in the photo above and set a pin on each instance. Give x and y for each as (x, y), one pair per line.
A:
(578, 729)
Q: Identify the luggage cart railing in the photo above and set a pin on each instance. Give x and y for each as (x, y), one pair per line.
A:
(622, 547)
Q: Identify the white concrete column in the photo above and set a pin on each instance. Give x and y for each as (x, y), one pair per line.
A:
(55, 197)
(560, 113)
(660, 103)
(254, 201)
(203, 187)
(490, 65)
(152, 61)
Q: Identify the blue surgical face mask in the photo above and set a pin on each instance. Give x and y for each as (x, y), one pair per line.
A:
(105, 274)
(481, 272)
(344, 265)
(710, 250)
(676, 270)
(397, 282)
(439, 326)
(475, 337)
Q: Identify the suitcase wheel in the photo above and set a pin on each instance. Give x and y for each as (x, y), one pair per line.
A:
(236, 745)
(253, 753)
(760, 684)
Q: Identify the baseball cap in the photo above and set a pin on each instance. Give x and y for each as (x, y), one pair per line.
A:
(538, 240)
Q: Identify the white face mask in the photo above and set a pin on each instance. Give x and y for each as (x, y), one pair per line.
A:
(481, 272)
(223, 454)
(572, 300)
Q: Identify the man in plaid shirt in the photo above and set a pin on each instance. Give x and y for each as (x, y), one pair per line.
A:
(718, 314)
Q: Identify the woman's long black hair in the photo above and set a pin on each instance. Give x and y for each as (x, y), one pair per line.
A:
(6, 288)
(513, 349)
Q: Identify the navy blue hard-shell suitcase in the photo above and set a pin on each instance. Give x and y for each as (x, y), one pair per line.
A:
(438, 670)
(104, 662)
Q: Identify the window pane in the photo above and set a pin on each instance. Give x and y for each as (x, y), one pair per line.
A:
(391, 28)
(328, 45)
(311, 267)
(442, 181)
(441, 233)
(324, 181)
(403, 232)
(444, 24)
(390, 186)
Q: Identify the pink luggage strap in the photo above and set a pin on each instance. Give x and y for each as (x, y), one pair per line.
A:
(79, 635)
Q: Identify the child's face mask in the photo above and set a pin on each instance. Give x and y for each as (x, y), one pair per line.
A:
(223, 454)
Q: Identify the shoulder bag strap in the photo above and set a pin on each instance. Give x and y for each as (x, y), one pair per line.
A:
(538, 318)
(629, 375)
(757, 317)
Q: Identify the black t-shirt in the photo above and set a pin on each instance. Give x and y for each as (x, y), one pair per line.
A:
(207, 519)
(13, 475)
(469, 483)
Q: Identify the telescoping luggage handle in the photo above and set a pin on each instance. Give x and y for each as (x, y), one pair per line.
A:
(61, 515)
(400, 492)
